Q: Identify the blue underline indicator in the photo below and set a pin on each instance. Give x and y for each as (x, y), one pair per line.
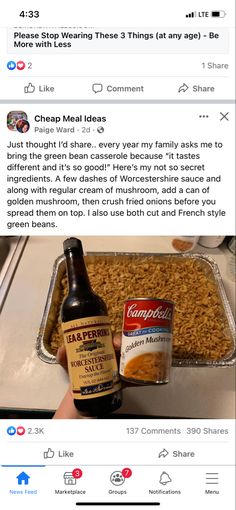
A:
(23, 465)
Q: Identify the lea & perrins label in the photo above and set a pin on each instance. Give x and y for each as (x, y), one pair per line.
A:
(92, 361)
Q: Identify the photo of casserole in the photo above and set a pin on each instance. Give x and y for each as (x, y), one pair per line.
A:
(202, 329)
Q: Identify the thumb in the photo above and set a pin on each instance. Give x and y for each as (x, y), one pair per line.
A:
(117, 342)
(61, 357)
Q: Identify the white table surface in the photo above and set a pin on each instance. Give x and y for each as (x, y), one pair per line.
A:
(27, 382)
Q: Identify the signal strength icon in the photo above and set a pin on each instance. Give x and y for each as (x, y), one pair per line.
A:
(191, 14)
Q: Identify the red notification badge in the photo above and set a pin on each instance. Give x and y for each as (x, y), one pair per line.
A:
(77, 473)
(126, 472)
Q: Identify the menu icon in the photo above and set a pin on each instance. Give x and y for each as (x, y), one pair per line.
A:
(212, 478)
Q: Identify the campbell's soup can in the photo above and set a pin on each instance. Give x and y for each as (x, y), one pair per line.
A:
(146, 349)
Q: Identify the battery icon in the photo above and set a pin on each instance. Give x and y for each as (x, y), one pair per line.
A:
(218, 14)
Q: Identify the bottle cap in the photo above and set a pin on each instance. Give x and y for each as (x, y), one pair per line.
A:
(73, 242)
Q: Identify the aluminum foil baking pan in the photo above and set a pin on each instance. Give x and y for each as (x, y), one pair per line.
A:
(52, 309)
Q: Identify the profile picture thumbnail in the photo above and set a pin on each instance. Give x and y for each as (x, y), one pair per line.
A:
(18, 121)
(22, 126)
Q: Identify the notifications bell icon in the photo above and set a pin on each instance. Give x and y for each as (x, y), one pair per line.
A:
(164, 478)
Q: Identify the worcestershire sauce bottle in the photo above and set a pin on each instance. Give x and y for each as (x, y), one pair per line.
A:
(92, 364)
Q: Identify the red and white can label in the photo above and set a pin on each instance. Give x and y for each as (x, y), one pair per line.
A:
(147, 340)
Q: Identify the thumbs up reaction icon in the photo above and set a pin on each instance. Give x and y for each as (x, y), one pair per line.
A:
(49, 454)
(29, 89)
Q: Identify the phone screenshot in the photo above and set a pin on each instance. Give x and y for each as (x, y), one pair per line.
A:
(117, 255)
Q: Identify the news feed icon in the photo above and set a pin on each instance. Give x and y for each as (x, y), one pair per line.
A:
(18, 121)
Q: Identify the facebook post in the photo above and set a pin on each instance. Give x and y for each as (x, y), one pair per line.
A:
(78, 165)
(117, 255)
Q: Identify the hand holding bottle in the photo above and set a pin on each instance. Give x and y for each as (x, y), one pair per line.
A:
(67, 409)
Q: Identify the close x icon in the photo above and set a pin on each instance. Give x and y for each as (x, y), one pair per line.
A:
(224, 116)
